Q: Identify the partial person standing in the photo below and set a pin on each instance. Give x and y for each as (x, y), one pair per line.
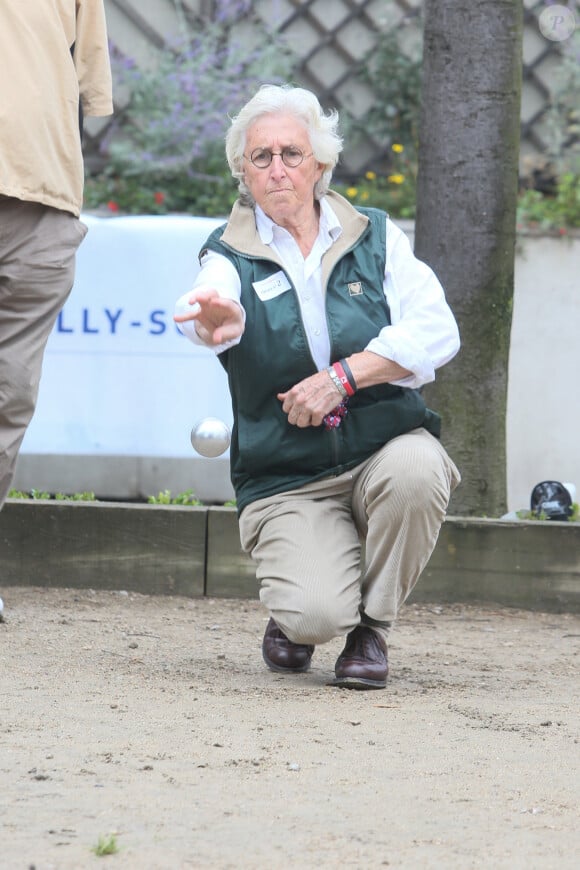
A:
(54, 68)
(327, 326)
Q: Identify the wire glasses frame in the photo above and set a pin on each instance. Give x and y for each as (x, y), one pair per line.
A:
(291, 157)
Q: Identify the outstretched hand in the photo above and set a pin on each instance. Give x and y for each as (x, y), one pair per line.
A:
(217, 320)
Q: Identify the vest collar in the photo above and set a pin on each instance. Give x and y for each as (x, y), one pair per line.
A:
(241, 232)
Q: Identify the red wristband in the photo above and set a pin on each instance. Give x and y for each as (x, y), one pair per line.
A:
(343, 378)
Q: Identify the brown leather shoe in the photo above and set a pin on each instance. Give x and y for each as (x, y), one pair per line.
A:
(280, 654)
(363, 662)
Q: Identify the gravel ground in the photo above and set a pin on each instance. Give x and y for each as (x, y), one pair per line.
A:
(152, 720)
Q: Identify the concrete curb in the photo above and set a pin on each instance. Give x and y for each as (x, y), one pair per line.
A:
(195, 551)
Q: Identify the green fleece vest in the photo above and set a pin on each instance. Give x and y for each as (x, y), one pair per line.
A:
(267, 454)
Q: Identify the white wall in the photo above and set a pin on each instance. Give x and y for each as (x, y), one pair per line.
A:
(121, 388)
(543, 413)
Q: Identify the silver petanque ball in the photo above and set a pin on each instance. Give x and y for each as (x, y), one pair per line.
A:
(210, 437)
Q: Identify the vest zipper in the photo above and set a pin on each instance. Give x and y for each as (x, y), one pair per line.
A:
(335, 446)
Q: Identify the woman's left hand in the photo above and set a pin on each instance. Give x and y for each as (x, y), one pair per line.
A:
(310, 400)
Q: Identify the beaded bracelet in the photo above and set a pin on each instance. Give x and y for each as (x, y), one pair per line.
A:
(336, 416)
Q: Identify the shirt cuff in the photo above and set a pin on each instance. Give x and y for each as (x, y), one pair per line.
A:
(394, 344)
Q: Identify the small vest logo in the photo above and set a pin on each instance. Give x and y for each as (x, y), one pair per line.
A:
(355, 288)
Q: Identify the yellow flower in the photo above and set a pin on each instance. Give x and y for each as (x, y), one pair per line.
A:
(396, 179)
(398, 149)
(370, 175)
(351, 192)
(364, 195)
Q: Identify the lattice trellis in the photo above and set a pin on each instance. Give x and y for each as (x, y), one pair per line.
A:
(330, 39)
(541, 59)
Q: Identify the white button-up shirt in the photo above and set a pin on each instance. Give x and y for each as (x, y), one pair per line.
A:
(423, 334)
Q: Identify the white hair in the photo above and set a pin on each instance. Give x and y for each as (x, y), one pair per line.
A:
(322, 131)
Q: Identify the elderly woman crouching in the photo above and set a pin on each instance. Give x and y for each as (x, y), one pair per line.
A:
(327, 326)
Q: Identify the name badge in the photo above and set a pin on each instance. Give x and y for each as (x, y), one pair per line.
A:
(271, 287)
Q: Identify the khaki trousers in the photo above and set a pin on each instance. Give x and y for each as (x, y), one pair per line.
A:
(37, 262)
(349, 549)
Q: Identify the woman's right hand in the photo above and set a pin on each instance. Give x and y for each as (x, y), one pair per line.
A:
(217, 320)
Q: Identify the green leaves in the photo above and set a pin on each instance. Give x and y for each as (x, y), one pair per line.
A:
(106, 846)
(558, 211)
(165, 152)
(183, 498)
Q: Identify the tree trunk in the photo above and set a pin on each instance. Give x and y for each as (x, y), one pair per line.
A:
(465, 226)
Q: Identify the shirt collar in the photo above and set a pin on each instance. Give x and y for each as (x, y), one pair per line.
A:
(329, 228)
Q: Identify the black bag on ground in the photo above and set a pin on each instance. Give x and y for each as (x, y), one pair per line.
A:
(552, 500)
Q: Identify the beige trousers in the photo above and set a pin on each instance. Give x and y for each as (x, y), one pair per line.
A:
(37, 261)
(349, 549)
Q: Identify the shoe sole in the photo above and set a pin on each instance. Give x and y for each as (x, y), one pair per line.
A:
(358, 683)
(280, 670)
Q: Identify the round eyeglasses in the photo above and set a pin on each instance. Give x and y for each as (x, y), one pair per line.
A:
(291, 157)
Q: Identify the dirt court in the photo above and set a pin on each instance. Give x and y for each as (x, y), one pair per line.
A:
(153, 719)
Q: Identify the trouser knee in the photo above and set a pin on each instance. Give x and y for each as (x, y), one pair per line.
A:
(413, 490)
(315, 623)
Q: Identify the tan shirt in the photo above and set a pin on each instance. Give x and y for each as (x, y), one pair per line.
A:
(40, 88)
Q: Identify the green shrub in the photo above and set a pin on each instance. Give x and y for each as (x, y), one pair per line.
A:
(184, 498)
(36, 494)
(530, 515)
(76, 496)
(165, 151)
(557, 211)
(392, 69)
(31, 494)
(395, 192)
